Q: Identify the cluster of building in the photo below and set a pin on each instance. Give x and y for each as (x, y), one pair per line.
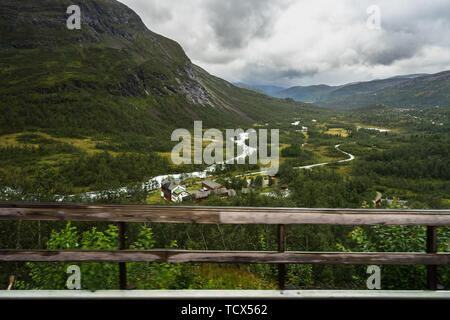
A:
(296, 123)
(174, 192)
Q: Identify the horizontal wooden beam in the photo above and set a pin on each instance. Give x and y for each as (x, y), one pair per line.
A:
(221, 215)
(223, 294)
(180, 256)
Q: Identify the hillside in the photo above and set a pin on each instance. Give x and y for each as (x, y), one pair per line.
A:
(424, 91)
(269, 90)
(312, 94)
(340, 96)
(368, 86)
(114, 77)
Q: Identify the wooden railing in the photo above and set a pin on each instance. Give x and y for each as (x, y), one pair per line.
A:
(230, 215)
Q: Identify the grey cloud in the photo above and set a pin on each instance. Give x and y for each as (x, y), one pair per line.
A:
(152, 12)
(219, 58)
(407, 31)
(260, 74)
(235, 22)
(391, 48)
(288, 42)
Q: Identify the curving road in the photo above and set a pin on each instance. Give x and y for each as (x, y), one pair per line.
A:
(351, 158)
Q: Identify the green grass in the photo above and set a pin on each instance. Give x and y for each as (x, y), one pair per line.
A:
(225, 278)
(337, 132)
(35, 139)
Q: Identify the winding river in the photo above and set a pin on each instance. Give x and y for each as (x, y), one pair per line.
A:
(155, 182)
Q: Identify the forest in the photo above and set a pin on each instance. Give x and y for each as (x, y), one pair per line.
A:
(409, 164)
(86, 116)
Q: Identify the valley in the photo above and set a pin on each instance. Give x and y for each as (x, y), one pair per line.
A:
(335, 143)
(87, 116)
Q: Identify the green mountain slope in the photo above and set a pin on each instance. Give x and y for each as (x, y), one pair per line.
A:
(333, 95)
(368, 86)
(113, 77)
(424, 91)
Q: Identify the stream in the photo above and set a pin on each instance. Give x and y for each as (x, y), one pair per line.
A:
(155, 182)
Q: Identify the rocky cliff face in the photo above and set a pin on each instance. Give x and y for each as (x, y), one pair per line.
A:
(107, 24)
(99, 18)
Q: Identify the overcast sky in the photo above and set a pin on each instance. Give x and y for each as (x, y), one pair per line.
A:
(303, 42)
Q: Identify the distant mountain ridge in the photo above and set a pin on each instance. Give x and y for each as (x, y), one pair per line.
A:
(401, 92)
(270, 90)
(413, 90)
(368, 86)
(310, 94)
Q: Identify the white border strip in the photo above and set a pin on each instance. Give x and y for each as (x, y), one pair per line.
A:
(221, 294)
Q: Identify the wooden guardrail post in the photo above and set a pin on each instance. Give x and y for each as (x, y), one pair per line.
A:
(281, 248)
(432, 247)
(122, 265)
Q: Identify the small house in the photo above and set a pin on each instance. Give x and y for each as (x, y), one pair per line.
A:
(211, 185)
(173, 192)
(221, 192)
(166, 189)
(199, 196)
(179, 194)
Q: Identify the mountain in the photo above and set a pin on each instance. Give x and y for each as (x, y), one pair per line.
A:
(323, 93)
(113, 77)
(423, 91)
(368, 86)
(269, 90)
(312, 94)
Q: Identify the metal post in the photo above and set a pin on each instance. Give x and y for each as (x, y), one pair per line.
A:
(122, 265)
(281, 248)
(432, 247)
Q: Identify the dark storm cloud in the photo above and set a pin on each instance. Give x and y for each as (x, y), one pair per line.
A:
(406, 32)
(273, 74)
(235, 22)
(391, 47)
(298, 42)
